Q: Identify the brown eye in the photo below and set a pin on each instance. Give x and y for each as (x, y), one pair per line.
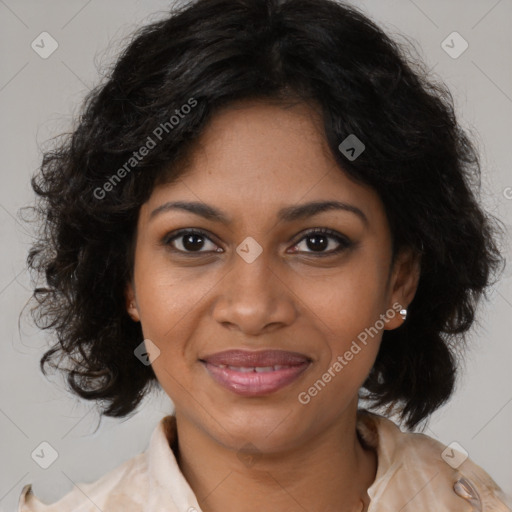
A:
(190, 241)
(318, 240)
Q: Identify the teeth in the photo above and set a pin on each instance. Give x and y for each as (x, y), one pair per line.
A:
(261, 369)
(257, 369)
(243, 369)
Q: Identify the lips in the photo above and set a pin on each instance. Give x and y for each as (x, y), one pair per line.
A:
(260, 359)
(255, 373)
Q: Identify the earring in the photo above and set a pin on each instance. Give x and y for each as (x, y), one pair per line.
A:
(403, 312)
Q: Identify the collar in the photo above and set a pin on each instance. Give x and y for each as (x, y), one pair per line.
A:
(167, 485)
(411, 472)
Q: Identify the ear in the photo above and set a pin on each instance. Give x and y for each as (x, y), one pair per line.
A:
(131, 302)
(403, 284)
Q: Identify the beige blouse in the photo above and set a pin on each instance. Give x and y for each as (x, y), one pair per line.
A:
(415, 473)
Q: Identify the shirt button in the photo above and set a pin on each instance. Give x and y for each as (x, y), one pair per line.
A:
(465, 489)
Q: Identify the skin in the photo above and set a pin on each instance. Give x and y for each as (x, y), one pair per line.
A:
(252, 160)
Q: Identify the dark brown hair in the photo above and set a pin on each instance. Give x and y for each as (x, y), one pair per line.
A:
(213, 52)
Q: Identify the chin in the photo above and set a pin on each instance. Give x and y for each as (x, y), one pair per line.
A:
(270, 428)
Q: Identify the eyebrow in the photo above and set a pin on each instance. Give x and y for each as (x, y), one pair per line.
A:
(287, 214)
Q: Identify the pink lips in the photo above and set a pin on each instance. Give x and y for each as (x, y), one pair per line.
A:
(255, 373)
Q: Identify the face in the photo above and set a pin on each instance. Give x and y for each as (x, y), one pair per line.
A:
(267, 273)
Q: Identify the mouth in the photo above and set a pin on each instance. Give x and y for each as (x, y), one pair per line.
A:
(255, 373)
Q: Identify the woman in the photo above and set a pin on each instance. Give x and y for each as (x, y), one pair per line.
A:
(267, 211)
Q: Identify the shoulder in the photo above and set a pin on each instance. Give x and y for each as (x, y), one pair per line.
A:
(417, 472)
(124, 488)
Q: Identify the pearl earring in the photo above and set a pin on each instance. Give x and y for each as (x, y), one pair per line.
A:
(403, 312)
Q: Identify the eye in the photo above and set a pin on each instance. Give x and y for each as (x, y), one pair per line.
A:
(189, 241)
(319, 239)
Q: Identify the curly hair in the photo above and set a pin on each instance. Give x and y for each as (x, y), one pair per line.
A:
(205, 55)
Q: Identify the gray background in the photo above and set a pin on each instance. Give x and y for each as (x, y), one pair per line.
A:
(38, 98)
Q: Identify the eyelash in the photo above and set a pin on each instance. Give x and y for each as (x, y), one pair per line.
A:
(344, 242)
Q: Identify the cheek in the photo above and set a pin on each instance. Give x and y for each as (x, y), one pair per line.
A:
(347, 308)
(350, 299)
(167, 295)
(170, 301)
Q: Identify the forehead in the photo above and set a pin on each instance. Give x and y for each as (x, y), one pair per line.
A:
(256, 157)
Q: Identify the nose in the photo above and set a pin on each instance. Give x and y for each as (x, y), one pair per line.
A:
(254, 298)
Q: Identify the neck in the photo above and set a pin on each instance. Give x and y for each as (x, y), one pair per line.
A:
(331, 472)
